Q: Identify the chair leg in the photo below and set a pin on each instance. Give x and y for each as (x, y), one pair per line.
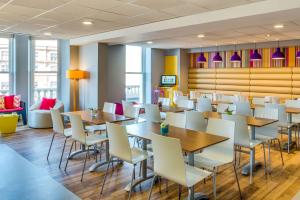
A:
(62, 153)
(214, 183)
(237, 181)
(265, 161)
(280, 152)
(159, 180)
(289, 142)
(86, 156)
(189, 193)
(151, 188)
(167, 185)
(251, 168)
(69, 155)
(269, 157)
(50, 145)
(131, 183)
(179, 191)
(105, 176)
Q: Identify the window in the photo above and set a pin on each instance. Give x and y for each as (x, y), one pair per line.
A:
(5, 85)
(45, 69)
(134, 74)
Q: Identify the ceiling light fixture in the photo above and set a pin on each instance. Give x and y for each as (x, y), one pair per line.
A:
(201, 36)
(87, 22)
(278, 26)
(278, 54)
(47, 34)
(235, 57)
(217, 58)
(255, 56)
(201, 58)
(149, 42)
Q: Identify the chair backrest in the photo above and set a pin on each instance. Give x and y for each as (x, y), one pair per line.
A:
(177, 93)
(243, 108)
(221, 107)
(195, 121)
(241, 133)
(207, 95)
(109, 107)
(185, 103)
(204, 104)
(282, 115)
(258, 100)
(118, 142)
(164, 101)
(240, 98)
(168, 158)
(175, 119)
(271, 99)
(270, 130)
(227, 98)
(78, 133)
(131, 111)
(292, 103)
(223, 128)
(194, 94)
(152, 113)
(58, 125)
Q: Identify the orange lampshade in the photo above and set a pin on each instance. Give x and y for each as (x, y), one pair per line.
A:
(77, 74)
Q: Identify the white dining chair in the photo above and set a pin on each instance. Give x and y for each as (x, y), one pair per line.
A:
(268, 133)
(119, 148)
(243, 108)
(80, 135)
(58, 128)
(215, 156)
(227, 98)
(194, 94)
(204, 104)
(242, 139)
(167, 154)
(195, 121)
(184, 103)
(222, 107)
(207, 95)
(176, 94)
(258, 101)
(285, 127)
(294, 104)
(272, 99)
(152, 113)
(175, 119)
(164, 101)
(240, 98)
(107, 108)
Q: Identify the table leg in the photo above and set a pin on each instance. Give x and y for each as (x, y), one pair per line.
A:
(99, 164)
(144, 176)
(193, 195)
(290, 144)
(255, 165)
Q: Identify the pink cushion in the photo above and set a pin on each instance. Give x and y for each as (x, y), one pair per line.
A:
(17, 101)
(47, 104)
(11, 110)
(119, 109)
(2, 102)
(9, 102)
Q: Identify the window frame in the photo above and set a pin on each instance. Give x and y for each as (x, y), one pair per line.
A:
(10, 71)
(32, 69)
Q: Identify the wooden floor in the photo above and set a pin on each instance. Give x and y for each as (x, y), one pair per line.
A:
(283, 183)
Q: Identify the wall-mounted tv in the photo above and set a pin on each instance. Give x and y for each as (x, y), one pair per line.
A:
(168, 80)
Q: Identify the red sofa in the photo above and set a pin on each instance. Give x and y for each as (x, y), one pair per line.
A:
(20, 111)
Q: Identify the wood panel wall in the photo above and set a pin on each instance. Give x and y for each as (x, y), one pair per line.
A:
(254, 82)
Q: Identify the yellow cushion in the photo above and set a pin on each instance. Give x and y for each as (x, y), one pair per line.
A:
(8, 123)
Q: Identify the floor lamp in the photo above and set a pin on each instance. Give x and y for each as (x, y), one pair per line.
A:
(76, 75)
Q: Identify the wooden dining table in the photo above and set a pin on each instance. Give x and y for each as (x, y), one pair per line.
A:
(191, 142)
(97, 118)
(253, 122)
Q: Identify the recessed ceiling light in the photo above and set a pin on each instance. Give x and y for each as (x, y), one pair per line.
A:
(278, 26)
(201, 36)
(47, 33)
(149, 42)
(87, 22)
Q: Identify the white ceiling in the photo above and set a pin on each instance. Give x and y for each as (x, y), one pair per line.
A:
(137, 21)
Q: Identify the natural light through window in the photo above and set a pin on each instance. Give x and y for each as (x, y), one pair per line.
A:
(45, 69)
(4, 66)
(134, 74)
